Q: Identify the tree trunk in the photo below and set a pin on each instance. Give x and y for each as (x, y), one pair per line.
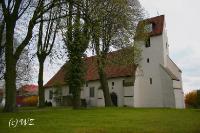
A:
(10, 75)
(40, 83)
(76, 99)
(104, 84)
(10, 79)
(75, 80)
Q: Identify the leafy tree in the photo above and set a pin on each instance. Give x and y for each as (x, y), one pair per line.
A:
(113, 26)
(76, 38)
(191, 99)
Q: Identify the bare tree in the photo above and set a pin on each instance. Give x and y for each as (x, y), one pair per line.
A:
(46, 39)
(2, 27)
(13, 10)
(23, 67)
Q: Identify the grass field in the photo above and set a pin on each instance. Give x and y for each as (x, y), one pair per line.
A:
(104, 120)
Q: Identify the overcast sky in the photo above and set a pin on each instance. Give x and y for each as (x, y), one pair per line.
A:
(183, 27)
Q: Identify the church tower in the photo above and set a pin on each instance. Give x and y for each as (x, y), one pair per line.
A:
(157, 74)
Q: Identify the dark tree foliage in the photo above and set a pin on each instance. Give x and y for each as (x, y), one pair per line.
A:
(76, 39)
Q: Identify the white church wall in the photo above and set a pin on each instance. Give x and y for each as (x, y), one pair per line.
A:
(165, 45)
(115, 85)
(177, 84)
(147, 94)
(179, 98)
(118, 89)
(167, 89)
(47, 98)
(128, 96)
(91, 101)
(173, 68)
(100, 99)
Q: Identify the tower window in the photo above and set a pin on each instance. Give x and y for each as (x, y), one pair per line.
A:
(113, 83)
(150, 81)
(147, 60)
(147, 43)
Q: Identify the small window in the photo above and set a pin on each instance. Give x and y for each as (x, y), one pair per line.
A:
(166, 45)
(150, 81)
(147, 60)
(113, 83)
(50, 94)
(147, 43)
(92, 92)
(86, 84)
(127, 83)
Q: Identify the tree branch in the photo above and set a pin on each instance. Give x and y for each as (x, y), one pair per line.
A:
(20, 14)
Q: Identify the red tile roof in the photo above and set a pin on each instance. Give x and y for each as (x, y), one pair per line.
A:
(112, 71)
(158, 25)
(29, 88)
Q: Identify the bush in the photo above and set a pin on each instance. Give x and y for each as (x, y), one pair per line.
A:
(48, 104)
(192, 100)
(30, 100)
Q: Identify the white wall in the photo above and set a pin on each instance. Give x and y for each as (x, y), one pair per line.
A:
(125, 95)
(65, 92)
(46, 93)
(167, 89)
(173, 68)
(146, 94)
(177, 84)
(179, 98)
(160, 92)
(128, 93)
(118, 88)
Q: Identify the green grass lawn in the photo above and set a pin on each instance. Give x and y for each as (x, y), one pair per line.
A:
(104, 120)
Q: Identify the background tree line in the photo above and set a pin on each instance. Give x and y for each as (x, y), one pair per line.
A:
(192, 99)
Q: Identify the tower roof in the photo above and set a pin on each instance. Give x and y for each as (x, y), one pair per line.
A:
(157, 25)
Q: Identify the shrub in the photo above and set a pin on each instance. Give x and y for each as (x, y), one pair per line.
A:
(30, 100)
(191, 100)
